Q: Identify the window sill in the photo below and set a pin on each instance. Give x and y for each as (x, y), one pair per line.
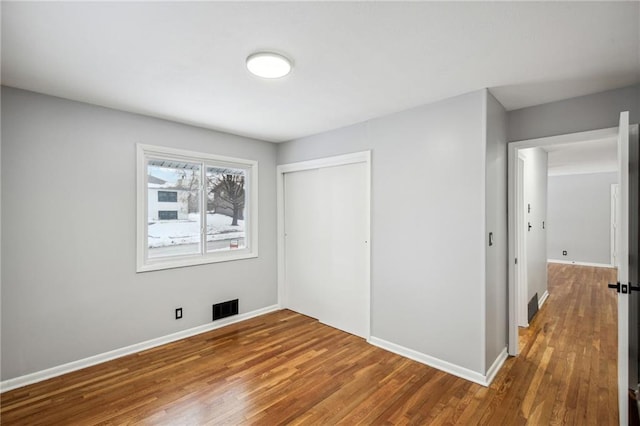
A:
(181, 262)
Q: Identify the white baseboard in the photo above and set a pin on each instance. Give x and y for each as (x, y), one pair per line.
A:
(543, 299)
(496, 366)
(574, 262)
(447, 367)
(59, 370)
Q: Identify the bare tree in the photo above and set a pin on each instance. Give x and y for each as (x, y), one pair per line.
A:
(190, 182)
(230, 188)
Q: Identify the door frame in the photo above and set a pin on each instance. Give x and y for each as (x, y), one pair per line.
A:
(514, 288)
(521, 253)
(339, 160)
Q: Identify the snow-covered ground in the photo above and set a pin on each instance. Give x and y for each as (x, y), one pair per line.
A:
(165, 233)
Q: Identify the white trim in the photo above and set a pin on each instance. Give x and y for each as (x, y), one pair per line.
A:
(280, 237)
(496, 366)
(367, 219)
(512, 243)
(143, 263)
(543, 299)
(59, 370)
(339, 160)
(318, 163)
(572, 262)
(484, 243)
(591, 135)
(522, 279)
(514, 252)
(612, 228)
(578, 173)
(447, 367)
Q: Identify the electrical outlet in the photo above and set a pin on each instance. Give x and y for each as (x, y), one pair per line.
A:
(564, 252)
(178, 313)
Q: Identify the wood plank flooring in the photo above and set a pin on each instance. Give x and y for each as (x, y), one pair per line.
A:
(285, 368)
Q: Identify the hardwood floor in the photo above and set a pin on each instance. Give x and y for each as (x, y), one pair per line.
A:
(287, 368)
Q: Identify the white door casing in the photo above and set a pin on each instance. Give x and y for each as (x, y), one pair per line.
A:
(523, 320)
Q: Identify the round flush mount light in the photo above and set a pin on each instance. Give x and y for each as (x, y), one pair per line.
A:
(268, 65)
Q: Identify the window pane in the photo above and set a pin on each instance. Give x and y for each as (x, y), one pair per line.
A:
(226, 194)
(173, 208)
(168, 214)
(170, 196)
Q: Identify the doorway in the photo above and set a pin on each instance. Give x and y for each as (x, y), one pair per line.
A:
(323, 240)
(517, 219)
(627, 220)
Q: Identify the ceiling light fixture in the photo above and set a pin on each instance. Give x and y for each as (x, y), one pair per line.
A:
(268, 65)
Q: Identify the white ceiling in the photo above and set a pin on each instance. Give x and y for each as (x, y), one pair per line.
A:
(595, 156)
(185, 61)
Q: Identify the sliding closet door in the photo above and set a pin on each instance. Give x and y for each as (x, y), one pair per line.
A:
(344, 247)
(326, 245)
(303, 267)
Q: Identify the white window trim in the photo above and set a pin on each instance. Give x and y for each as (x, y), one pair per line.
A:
(143, 263)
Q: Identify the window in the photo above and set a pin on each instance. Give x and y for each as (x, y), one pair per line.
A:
(168, 215)
(213, 212)
(167, 196)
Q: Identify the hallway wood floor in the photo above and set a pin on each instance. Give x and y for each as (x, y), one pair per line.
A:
(285, 368)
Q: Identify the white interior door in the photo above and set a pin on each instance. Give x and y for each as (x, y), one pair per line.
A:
(622, 238)
(326, 245)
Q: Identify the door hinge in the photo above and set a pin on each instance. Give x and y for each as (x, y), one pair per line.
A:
(516, 260)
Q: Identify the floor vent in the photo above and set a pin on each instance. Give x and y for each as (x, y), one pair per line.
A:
(225, 309)
(533, 307)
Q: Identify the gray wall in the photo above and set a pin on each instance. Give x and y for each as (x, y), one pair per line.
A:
(535, 194)
(579, 217)
(428, 226)
(69, 287)
(496, 222)
(591, 112)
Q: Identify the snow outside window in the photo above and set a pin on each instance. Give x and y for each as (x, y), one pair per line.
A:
(194, 208)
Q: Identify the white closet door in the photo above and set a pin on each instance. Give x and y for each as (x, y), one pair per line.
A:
(303, 269)
(326, 245)
(344, 248)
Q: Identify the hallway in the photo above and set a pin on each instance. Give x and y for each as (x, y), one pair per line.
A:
(568, 357)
